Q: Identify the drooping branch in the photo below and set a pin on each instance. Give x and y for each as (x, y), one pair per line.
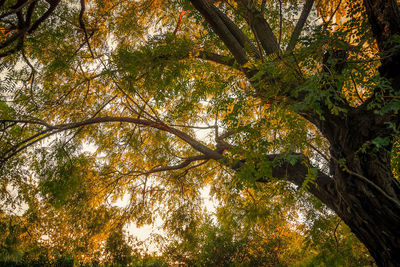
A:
(323, 186)
(322, 189)
(300, 24)
(53, 129)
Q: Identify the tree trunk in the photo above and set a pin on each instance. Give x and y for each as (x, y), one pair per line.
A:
(367, 196)
(362, 192)
(372, 216)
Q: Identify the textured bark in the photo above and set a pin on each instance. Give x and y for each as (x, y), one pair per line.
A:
(362, 192)
(370, 195)
(367, 194)
(368, 200)
(221, 28)
(260, 27)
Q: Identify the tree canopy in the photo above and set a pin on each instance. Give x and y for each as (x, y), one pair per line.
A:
(287, 110)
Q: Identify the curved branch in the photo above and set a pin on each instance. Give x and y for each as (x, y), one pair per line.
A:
(322, 188)
(53, 129)
(181, 165)
(49, 11)
(18, 9)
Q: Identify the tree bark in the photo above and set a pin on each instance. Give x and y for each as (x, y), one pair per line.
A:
(368, 203)
(367, 196)
(363, 193)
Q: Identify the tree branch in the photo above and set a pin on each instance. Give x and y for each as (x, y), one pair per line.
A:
(239, 35)
(323, 187)
(300, 24)
(53, 129)
(181, 165)
(83, 27)
(212, 16)
(49, 11)
(17, 9)
(261, 27)
(223, 60)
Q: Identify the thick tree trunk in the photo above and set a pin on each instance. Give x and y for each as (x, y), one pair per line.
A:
(364, 193)
(371, 209)
(367, 194)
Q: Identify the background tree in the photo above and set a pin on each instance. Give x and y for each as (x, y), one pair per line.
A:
(252, 229)
(304, 93)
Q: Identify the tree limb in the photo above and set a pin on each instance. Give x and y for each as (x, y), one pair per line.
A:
(223, 60)
(261, 27)
(239, 35)
(49, 11)
(300, 24)
(83, 27)
(181, 165)
(212, 16)
(323, 187)
(53, 129)
(17, 9)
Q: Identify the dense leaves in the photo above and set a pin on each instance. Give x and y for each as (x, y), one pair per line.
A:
(148, 103)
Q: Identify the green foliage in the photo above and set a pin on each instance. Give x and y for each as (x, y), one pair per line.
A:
(395, 159)
(135, 61)
(334, 247)
(310, 178)
(251, 228)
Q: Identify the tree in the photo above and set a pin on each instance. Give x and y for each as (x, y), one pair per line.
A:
(119, 251)
(252, 229)
(313, 101)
